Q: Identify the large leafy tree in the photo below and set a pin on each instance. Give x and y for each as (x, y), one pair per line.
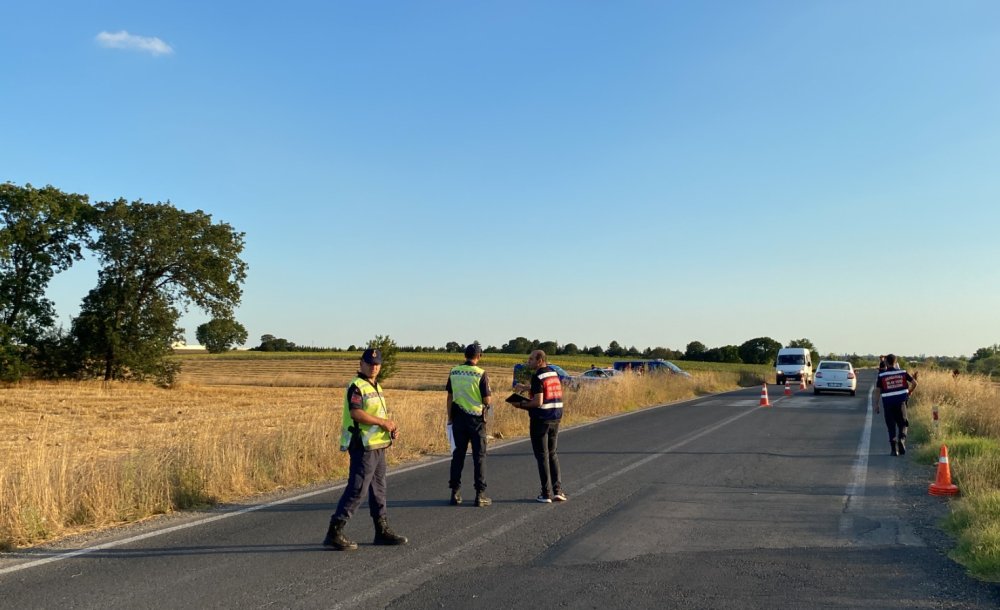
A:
(41, 233)
(806, 343)
(156, 261)
(221, 334)
(762, 350)
(695, 351)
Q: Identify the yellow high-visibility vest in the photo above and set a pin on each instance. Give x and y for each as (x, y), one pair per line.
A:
(465, 388)
(372, 436)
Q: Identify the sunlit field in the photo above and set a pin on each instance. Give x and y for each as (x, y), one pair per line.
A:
(969, 425)
(80, 456)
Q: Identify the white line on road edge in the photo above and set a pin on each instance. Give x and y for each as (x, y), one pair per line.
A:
(854, 495)
(250, 509)
(393, 583)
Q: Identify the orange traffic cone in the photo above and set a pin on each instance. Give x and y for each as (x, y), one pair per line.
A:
(802, 383)
(763, 396)
(943, 485)
(788, 389)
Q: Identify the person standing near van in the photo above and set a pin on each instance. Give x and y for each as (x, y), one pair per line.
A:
(545, 407)
(894, 388)
(469, 398)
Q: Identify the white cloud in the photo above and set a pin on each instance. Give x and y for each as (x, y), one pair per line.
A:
(131, 42)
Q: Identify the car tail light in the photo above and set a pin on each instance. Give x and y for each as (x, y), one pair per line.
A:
(850, 375)
(819, 375)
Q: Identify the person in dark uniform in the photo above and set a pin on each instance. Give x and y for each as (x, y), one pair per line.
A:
(366, 434)
(469, 398)
(544, 406)
(894, 388)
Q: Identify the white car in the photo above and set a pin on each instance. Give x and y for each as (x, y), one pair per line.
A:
(835, 376)
(598, 374)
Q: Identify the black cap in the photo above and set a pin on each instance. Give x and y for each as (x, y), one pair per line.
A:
(372, 356)
(472, 350)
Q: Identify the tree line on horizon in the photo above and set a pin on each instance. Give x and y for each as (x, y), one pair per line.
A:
(156, 261)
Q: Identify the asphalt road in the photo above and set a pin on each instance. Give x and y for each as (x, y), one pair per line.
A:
(711, 503)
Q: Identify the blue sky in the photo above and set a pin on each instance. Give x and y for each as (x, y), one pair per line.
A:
(647, 172)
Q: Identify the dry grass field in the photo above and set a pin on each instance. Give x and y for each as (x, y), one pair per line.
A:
(81, 456)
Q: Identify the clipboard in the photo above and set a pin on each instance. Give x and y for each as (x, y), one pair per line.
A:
(516, 399)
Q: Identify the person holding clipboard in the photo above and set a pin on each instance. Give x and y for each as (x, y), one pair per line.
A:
(544, 406)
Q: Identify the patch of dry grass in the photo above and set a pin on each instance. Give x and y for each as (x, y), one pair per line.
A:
(969, 420)
(82, 456)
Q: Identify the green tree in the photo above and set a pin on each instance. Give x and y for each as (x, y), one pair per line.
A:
(806, 343)
(615, 350)
(983, 352)
(519, 345)
(41, 234)
(549, 347)
(570, 349)
(270, 343)
(695, 351)
(221, 334)
(726, 353)
(597, 350)
(389, 349)
(156, 260)
(453, 346)
(762, 350)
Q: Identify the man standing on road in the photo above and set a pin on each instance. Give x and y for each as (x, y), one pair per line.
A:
(469, 398)
(894, 387)
(544, 407)
(366, 435)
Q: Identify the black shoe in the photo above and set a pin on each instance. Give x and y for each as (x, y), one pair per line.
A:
(335, 538)
(482, 499)
(902, 446)
(456, 498)
(385, 536)
(895, 448)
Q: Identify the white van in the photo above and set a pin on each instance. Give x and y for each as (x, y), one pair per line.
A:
(793, 363)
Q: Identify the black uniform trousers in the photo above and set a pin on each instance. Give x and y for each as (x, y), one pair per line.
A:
(468, 428)
(544, 441)
(895, 421)
(366, 474)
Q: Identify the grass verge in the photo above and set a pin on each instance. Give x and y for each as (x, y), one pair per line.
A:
(969, 425)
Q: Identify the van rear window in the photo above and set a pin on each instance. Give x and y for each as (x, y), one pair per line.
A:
(791, 359)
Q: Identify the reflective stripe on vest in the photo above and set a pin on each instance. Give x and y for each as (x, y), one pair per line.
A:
(465, 388)
(372, 436)
(551, 391)
(893, 383)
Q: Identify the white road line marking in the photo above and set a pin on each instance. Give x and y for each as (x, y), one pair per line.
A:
(854, 495)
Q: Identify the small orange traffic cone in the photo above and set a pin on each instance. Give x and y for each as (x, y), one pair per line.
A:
(802, 382)
(788, 389)
(763, 396)
(943, 485)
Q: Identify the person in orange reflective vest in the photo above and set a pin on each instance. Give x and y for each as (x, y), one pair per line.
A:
(545, 407)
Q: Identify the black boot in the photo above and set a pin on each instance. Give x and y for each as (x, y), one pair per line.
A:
(895, 448)
(335, 538)
(456, 497)
(384, 534)
(482, 499)
(902, 446)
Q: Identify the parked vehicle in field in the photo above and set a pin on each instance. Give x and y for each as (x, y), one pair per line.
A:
(642, 367)
(793, 363)
(597, 375)
(522, 374)
(835, 376)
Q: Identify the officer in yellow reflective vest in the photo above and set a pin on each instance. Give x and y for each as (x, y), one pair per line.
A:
(366, 435)
(469, 398)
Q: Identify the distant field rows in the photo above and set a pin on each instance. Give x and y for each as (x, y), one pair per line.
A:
(287, 372)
